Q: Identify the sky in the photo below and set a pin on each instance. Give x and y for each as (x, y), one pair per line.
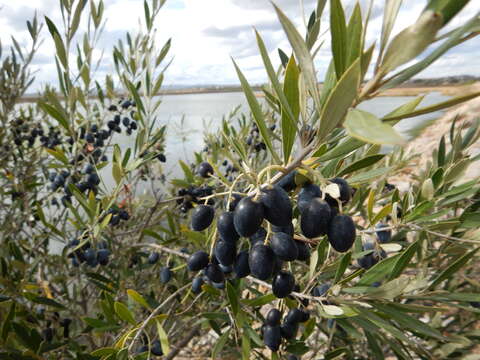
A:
(207, 33)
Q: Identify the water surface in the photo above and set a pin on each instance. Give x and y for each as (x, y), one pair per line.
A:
(188, 116)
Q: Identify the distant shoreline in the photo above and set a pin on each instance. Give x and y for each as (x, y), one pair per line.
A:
(407, 90)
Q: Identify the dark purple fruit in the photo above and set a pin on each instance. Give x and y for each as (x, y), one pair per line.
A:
(248, 216)
(289, 330)
(197, 261)
(226, 269)
(258, 237)
(292, 357)
(273, 317)
(226, 228)
(153, 257)
(367, 261)
(93, 179)
(284, 247)
(383, 236)
(115, 220)
(321, 290)
(341, 233)
(287, 229)
(165, 275)
(277, 206)
(345, 189)
(91, 257)
(142, 349)
(306, 195)
(88, 169)
(197, 285)
(202, 217)
(283, 284)
(219, 286)
(272, 337)
(315, 218)
(214, 273)
(287, 183)
(242, 269)
(156, 348)
(303, 250)
(225, 252)
(305, 316)
(261, 261)
(296, 316)
(205, 169)
(124, 215)
(234, 200)
(277, 266)
(90, 138)
(102, 256)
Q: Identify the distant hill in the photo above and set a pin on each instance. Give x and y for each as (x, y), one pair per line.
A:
(212, 88)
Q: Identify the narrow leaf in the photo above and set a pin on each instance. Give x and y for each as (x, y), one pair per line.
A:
(453, 268)
(257, 112)
(339, 100)
(367, 127)
(338, 28)
(289, 124)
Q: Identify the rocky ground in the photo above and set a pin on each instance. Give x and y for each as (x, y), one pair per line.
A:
(423, 145)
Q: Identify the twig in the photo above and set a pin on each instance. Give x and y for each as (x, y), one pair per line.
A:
(290, 167)
(417, 227)
(162, 248)
(153, 314)
(184, 342)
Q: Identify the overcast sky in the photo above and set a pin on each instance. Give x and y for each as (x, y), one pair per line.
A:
(206, 33)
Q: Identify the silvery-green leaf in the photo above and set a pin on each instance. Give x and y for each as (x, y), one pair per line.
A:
(333, 310)
(333, 190)
(392, 247)
(367, 127)
(412, 41)
(340, 100)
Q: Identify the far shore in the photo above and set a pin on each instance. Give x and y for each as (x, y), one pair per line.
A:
(407, 90)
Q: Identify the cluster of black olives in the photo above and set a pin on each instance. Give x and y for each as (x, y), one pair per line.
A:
(24, 130)
(121, 116)
(191, 195)
(254, 138)
(84, 180)
(274, 329)
(264, 260)
(87, 254)
(230, 170)
(118, 215)
(95, 138)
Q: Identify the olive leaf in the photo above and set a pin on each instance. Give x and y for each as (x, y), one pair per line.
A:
(368, 128)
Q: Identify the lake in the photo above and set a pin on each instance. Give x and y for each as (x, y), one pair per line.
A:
(188, 116)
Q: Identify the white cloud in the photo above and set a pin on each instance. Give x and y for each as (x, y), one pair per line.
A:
(206, 34)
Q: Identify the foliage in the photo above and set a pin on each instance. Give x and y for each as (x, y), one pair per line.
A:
(93, 269)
